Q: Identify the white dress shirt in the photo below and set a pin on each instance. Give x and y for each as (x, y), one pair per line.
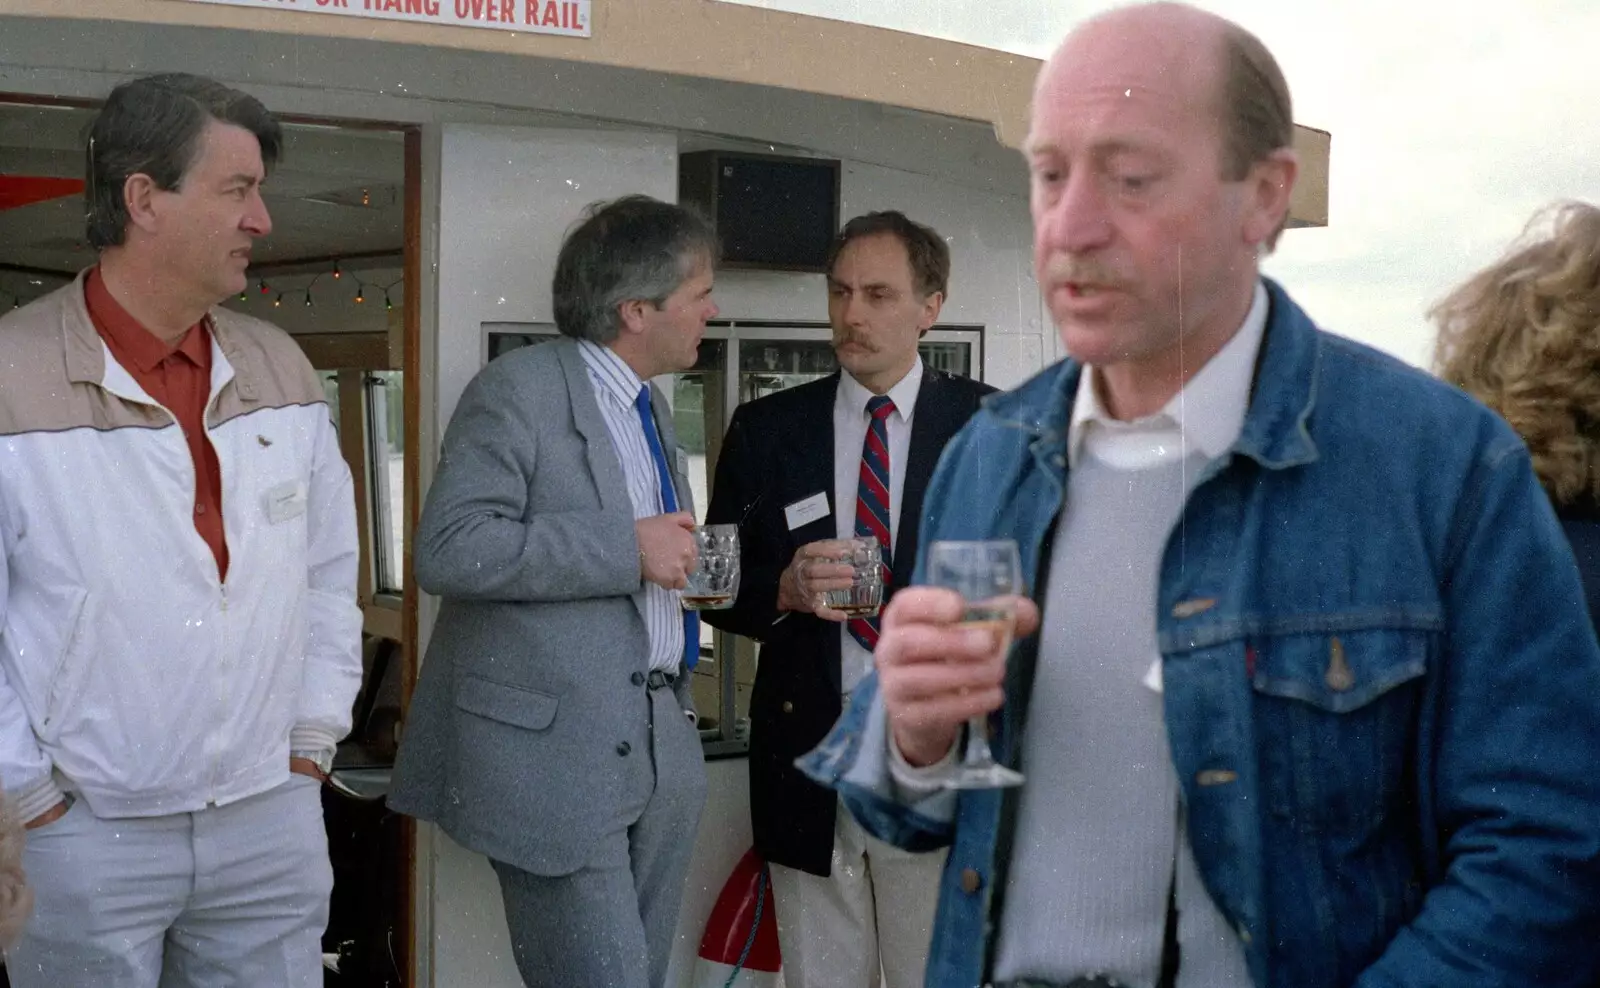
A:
(849, 433)
(1206, 414)
(616, 387)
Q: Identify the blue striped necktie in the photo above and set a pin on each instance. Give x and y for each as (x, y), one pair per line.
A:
(872, 502)
(669, 504)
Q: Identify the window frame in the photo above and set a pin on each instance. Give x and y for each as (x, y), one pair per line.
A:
(388, 574)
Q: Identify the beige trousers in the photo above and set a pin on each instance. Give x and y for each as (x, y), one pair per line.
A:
(868, 924)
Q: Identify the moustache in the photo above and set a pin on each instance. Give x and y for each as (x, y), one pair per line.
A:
(848, 339)
(1060, 270)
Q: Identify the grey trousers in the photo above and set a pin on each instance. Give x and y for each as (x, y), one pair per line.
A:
(226, 896)
(611, 923)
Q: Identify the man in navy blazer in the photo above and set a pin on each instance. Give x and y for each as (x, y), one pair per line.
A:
(849, 455)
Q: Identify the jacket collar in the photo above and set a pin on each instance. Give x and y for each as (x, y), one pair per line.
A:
(1275, 432)
(85, 352)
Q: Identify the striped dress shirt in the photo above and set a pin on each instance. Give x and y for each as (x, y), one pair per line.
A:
(615, 388)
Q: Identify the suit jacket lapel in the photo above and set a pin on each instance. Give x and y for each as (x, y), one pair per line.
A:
(812, 467)
(933, 422)
(605, 464)
(814, 472)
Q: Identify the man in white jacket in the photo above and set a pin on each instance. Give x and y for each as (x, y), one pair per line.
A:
(179, 639)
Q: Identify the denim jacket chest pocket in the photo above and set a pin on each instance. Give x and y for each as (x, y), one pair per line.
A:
(1335, 718)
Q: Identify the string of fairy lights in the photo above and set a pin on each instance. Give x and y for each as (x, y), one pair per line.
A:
(16, 300)
(302, 295)
(264, 287)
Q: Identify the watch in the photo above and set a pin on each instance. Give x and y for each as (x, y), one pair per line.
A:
(322, 759)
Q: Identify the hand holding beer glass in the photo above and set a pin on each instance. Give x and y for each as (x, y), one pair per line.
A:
(941, 660)
(835, 579)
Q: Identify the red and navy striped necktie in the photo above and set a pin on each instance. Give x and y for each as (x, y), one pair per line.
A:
(872, 501)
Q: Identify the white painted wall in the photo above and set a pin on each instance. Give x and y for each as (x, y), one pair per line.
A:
(507, 196)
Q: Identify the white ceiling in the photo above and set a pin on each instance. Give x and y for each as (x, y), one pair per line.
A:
(313, 196)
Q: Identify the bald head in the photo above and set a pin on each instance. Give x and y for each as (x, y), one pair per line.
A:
(1175, 37)
(1223, 71)
(1153, 192)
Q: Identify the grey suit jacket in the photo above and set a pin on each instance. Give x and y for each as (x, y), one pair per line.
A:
(530, 718)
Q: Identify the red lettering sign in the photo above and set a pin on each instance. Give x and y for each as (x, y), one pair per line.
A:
(563, 17)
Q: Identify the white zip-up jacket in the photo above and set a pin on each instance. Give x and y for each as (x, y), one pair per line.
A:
(129, 673)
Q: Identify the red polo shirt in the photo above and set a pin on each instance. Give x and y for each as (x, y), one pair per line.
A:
(179, 377)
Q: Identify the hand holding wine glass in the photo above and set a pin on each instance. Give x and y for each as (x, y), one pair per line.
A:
(942, 657)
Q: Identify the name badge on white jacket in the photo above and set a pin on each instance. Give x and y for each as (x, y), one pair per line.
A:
(286, 501)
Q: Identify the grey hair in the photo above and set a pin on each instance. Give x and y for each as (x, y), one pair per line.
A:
(631, 249)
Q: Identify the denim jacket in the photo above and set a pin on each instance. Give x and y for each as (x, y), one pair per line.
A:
(1381, 689)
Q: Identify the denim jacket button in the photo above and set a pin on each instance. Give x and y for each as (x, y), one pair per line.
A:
(1189, 608)
(971, 881)
(1339, 677)
(1244, 933)
(788, 707)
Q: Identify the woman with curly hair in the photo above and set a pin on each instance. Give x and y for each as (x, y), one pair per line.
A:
(1523, 337)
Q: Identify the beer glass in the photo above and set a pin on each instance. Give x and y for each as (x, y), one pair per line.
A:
(714, 582)
(864, 596)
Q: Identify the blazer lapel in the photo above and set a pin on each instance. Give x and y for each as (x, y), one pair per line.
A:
(932, 424)
(605, 464)
(813, 437)
(812, 466)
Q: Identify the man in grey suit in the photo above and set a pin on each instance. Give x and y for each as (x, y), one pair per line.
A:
(552, 729)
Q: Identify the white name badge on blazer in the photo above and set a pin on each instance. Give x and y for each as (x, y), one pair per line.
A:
(806, 510)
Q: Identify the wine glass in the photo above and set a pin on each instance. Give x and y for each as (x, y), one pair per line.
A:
(988, 576)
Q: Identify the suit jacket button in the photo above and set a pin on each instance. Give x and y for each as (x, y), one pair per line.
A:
(638, 679)
(971, 881)
(624, 748)
(788, 707)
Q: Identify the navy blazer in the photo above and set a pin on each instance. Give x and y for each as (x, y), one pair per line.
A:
(778, 450)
